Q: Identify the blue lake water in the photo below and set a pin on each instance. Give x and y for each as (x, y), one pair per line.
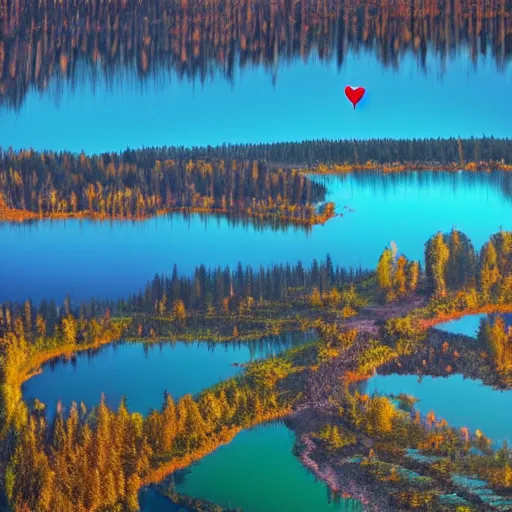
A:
(143, 372)
(307, 101)
(467, 325)
(258, 473)
(461, 402)
(49, 259)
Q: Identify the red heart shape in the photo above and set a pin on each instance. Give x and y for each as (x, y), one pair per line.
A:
(354, 95)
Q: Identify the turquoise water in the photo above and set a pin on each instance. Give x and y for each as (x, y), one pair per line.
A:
(467, 325)
(143, 372)
(461, 402)
(150, 500)
(258, 472)
(306, 101)
(50, 259)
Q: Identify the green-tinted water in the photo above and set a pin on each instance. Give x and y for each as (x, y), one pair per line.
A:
(258, 472)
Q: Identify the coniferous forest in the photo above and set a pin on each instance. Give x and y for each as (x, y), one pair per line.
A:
(322, 297)
(268, 180)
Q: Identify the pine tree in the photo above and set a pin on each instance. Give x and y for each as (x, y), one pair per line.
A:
(489, 272)
(461, 266)
(437, 254)
(109, 494)
(385, 270)
(192, 428)
(69, 329)
(169, 422)
(315, 299)
(380, 414)
(179, 312)
(210, 410)
(400, 277)
(154, 431)
(413, 275)
(503, 243)
(132, 493)
(102, 435)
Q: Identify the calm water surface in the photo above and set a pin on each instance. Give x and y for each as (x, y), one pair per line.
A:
(143, 372)
(50, 259)
(467, 325)
(461, 402)
(150, 500)
(258, 472)
(306, 102)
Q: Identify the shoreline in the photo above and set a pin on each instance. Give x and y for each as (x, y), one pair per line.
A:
(429, 323)
(10, 214)
(346, 482)
(18, 215)
(397, 167)
(363, 319)
(225, 437)
(334, 477)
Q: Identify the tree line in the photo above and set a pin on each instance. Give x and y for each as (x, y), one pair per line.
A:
(216, 290)
(66, 40)
(136, 185)
(257, 180)
(310, 153)
(300, 154)
(452, 265)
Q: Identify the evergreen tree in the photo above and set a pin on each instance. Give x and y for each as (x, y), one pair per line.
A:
(413, 275)
(461, 265)
(437, 255)
(385, 270)
(169, 423)
(489, 271)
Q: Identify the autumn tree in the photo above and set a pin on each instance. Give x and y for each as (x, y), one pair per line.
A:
(489, 271)
(437, 254)
(462, 261)
(179, 312)
(385, 270)
(413, 275)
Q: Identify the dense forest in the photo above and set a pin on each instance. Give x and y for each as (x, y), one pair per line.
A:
(454, 269)
(252, 180)
(64, 40)
(430, 152)
(49, 184)
(452, 265)
(215, 291)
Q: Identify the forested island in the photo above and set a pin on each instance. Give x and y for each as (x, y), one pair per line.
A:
(367, 321)
(67, 41)
(269, 182)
